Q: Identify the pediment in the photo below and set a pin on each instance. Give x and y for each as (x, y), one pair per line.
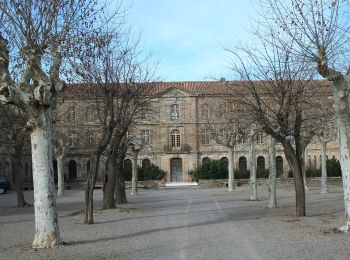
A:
(174, 92)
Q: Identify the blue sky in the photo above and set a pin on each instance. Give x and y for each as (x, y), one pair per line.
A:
(188, 36)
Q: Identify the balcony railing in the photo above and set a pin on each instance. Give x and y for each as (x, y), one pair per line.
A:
(182, 149)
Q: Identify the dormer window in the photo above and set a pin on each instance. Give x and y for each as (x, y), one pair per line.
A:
(175, 112)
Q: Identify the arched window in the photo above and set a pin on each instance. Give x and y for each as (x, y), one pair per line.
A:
(205, 160)
(279, 165)
(242, 164)
(54, 163)
(224, 161)
(175, 138)
(72, 170)
(315, 163)
(205, 111)
(127, 164)
(309, 163)
(205, 136)
(146, 162)
(88, 166)
(260, 164)
(175, 112)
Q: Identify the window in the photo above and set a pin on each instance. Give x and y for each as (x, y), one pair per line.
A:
(205, 111)
(259, 138)
(146, 162)
(73, 139)
(175, 139)
(222, 110)
(90, 113)
(144, 112)
(242, 138)
(205, 136)
(175, 111)
(71, 114)
(146, 137)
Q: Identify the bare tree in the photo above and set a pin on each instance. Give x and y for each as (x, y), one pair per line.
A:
(116, 70)
(226, 129)
(321, 31)
(272, 199)
(13, 127)
(60, 149)
(275, 87)
(36, 36)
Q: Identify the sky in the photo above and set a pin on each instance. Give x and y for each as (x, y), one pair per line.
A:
(188, 36)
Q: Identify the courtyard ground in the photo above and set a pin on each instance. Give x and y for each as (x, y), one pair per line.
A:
(185, 223)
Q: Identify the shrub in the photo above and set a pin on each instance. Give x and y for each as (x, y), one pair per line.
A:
(333, 168)
(214, 169)
(127, 172)
(263, 173)
(242, 174)
(149, 172)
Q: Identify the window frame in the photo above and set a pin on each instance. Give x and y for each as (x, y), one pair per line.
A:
(175, 138)
(174, 112)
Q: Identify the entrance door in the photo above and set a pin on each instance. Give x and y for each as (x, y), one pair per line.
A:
(176, 170)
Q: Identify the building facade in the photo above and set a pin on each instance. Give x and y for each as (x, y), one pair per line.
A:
(173, 130)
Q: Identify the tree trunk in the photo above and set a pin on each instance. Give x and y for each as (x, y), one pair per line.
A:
(47, 233)
(231, 176)
(295, 164)
(272, 200)
(120, 194)
(342, 111)
(134, 175)
(303, 167)
(324, 185)
(89, 191)
(60, 175)
(253, 184)
(109, 182)
(17, 168)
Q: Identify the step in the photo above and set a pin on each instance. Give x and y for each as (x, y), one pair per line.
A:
(180, 184)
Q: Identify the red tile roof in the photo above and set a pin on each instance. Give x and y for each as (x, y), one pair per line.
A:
(86, 91)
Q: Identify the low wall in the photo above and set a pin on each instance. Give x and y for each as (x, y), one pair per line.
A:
(221, 183)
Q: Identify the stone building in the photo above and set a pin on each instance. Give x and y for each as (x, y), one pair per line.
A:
(172, 129)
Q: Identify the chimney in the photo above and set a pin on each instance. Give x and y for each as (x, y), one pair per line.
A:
(222, 79)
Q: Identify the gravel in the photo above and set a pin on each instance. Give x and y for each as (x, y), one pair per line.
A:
(185, 223)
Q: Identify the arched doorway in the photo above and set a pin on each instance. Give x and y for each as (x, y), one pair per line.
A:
(176, 170)
(279, 166)
(146, 162)
(72, 170)
(242, 164)
(224, 161)
(260, 165)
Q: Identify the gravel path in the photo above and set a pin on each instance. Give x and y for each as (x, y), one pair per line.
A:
(185, 223)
